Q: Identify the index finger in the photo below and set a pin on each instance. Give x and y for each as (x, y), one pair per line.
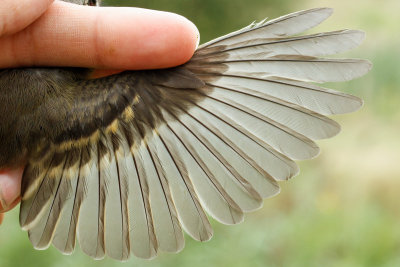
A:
(16, 15)
(106, 37)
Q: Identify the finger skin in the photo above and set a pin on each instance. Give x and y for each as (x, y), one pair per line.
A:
(106, 37)
(15, 16)
(10, 188)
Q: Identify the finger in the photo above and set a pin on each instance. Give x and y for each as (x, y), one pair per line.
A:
(98, 73)
(16, 15)
(107, 37)
(10, 188)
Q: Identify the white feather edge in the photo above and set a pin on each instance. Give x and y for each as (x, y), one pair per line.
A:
(315, 45)
(290, 24)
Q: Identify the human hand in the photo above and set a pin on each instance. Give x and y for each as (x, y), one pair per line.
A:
(55, 33)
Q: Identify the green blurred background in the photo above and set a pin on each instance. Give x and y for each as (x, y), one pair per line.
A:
(344, 207)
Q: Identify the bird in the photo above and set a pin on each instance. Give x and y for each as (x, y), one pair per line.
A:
(125, 164)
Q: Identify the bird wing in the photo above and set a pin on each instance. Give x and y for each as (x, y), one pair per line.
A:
(161, 149)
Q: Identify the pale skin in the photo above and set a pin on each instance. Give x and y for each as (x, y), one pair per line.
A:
(55, 33)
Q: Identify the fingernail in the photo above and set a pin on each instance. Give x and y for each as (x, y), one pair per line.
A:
(196, 30)
(198, 38)
(3, 204)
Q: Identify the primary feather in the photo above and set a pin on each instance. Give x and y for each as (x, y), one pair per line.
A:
(135, 158)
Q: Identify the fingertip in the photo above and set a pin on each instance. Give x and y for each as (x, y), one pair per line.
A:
(150, 39)
(191, 36)
(183, 38)
(197, 34)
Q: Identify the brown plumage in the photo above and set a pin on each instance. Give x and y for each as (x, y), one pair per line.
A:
(124, 163)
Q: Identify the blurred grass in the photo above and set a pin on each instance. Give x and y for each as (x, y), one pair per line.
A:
(343, 209)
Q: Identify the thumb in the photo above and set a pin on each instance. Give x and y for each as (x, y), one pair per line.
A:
(10, 188)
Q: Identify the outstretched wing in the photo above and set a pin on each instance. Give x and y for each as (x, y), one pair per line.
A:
(158, 150)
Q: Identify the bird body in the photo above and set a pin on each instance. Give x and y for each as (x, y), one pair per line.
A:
(123, 163)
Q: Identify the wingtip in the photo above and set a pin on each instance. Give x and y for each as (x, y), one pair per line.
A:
(361, 33)
(328, 11)
(358, 35)
(366, 67)
(361, 104)
(369, 64)
(358, 103)
(39, 247)
(275, 193)
(67, 251)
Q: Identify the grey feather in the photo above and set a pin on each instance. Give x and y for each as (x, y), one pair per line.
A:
(141, 155)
